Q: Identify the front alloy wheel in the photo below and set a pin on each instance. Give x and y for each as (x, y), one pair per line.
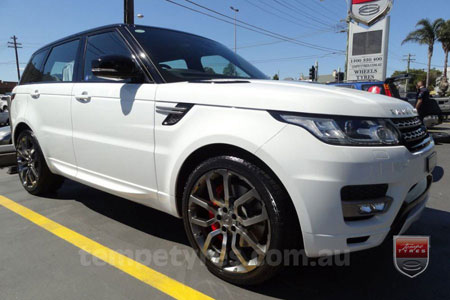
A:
(229, 221)
(233, 217)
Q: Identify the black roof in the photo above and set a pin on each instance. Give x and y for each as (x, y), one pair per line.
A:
(108, 27)
(81, 33)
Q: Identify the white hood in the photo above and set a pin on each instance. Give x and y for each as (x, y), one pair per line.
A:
(284, 96)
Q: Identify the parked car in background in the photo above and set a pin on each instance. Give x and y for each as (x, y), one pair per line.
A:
(387, 88)
(4, 118)
(411, 97)
(4, 102)
(253, 166)
(5, 135)
(444, 104)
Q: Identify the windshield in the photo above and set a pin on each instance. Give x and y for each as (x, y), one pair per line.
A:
(184, 57)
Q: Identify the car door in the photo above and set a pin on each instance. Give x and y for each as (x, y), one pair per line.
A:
(49, 107)
(113, 126)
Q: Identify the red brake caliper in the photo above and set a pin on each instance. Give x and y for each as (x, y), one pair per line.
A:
(215, 226)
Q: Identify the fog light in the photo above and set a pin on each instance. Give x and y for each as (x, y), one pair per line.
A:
(365, 208)
(379, 206)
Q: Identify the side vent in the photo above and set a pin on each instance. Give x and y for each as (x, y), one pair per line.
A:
(174, 114)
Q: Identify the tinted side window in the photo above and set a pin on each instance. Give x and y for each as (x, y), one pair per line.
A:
(99, 45)
(33, 71)
(61, 62)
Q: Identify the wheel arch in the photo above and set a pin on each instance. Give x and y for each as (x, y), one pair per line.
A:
(213, 150)
(21, 126)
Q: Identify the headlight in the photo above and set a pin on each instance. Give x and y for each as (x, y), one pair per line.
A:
(338, 130)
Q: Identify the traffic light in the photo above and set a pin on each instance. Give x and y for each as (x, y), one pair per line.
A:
(339, 76)
(312, 73)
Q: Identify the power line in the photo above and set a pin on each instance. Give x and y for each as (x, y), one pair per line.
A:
(254, 28)
(294, 58)
(281, 17)
(292, 16)
(292, 8)
(315, 12)
(321, 6)
(315, 33)
(289, 14)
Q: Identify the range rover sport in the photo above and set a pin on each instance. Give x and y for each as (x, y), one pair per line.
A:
(181, 124)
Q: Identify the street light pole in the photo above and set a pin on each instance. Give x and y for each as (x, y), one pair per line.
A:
(235, 38)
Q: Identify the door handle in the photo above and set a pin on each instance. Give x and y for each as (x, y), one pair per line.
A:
(35, 94)
(84, 97)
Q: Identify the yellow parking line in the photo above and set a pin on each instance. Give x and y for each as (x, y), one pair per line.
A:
(139, 271)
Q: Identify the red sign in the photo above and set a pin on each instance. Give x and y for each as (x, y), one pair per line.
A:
(374, 89)
(411, 254)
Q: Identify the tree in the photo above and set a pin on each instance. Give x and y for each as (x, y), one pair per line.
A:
(275, 77)
(230, 70)
(426, 34)
(419, 75)
(444, 38)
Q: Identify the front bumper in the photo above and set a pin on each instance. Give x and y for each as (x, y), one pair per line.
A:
(314, 174)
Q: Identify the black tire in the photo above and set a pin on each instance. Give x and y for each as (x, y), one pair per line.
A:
(46, 182)
(279, 210)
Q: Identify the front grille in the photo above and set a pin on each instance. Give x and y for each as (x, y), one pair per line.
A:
(363, 192)
(414, 133)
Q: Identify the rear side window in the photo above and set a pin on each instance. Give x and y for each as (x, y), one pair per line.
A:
(61, 62)
(103, 44)
(33, 71)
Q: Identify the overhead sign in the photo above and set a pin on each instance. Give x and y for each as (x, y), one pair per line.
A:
(367, 52)
(369, 12)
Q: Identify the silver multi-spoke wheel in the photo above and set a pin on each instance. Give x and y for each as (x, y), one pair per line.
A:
(229, 221)
(27, 161)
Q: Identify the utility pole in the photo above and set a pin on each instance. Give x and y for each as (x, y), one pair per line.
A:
(14, 44)
(235, 30)
(408, 58)
(128, 12)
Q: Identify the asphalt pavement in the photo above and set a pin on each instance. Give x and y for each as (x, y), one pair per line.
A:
(37, 264)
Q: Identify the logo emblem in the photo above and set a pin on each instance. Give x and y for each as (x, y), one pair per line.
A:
(369, 12)
(411, 254)
(403, 111)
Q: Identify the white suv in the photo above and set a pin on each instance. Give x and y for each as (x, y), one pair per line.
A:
(180, 123)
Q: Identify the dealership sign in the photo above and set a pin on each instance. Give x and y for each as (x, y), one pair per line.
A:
(367, 51)
(368, 12)
(411, 254)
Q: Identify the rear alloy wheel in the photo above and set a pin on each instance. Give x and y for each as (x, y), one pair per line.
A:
(232, 220)
(33, 172)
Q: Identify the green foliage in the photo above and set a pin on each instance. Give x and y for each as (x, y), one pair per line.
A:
(444, 38)
(426, 34)
(420, 75)
(230, 70)
(275, 77)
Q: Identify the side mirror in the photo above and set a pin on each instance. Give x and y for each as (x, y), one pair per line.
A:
(115, 67)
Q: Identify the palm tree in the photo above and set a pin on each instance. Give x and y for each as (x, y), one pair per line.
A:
(425, 35)
(444, 38)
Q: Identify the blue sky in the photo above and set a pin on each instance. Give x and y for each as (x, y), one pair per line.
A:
(39, 22)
